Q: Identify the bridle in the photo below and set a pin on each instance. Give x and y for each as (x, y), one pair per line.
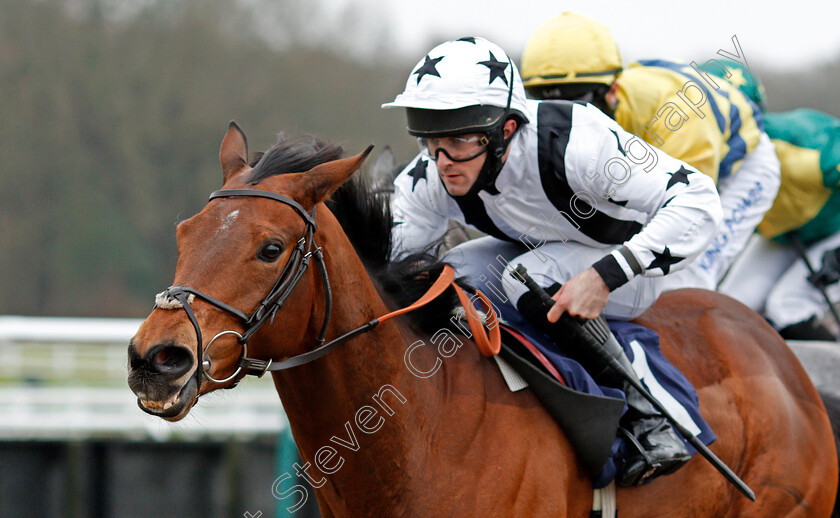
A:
(293, 271)
(304, 250)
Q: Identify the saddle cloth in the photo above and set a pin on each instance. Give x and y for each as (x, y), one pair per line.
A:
(662, 379)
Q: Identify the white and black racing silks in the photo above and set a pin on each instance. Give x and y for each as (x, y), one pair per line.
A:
(577, 176)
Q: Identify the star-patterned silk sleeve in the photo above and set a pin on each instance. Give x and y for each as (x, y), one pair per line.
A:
(418, 218)
(680, 205)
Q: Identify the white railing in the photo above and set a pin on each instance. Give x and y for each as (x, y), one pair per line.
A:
(65, 378)
(81, 412)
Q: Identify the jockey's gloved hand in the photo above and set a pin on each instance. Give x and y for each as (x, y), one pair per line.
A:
(655, 448)
(829, 272)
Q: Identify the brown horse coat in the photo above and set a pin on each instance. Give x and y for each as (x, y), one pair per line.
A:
(397, 422)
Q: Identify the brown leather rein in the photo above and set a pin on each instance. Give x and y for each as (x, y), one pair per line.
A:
(488, 344)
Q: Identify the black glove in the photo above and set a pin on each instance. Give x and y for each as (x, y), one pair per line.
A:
(829, 272)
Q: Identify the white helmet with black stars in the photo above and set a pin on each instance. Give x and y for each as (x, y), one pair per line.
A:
(462, 86)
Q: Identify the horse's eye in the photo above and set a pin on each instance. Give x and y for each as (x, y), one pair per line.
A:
(270, 253)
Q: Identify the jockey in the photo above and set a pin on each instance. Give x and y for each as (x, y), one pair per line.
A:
(560, 188)
(808, 204)
(669, 105)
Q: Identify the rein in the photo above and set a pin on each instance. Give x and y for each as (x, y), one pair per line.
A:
(293, 271)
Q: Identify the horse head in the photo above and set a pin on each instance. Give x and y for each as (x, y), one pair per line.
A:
(239, 260)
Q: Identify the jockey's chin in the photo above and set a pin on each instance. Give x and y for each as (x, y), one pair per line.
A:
(459, 177)
(456, 184)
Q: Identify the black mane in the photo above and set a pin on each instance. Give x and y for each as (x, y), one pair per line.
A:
(292, 156)
(365, 216)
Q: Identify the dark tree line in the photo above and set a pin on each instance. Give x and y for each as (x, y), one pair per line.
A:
(111, 114)
(110, 130)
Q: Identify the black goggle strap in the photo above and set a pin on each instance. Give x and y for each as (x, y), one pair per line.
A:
(499, 141)
(499, 151)
(440, 150)
(510, 88)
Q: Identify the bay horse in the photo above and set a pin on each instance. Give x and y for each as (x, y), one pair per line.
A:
(393, 422)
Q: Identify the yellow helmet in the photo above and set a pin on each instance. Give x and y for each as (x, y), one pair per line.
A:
(570, 48)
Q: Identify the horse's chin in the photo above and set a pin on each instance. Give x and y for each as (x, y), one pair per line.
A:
(176, 407)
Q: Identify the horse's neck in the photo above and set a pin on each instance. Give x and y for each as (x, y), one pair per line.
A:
(382, 432)
(363, 400)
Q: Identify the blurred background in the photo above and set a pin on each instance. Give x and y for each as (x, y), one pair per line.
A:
(112, 111)
(111, 116)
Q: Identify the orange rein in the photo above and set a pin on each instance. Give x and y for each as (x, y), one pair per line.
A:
(487, 345)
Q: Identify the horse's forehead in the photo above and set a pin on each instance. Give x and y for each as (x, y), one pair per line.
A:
(233, 216)
(211, 221)
(227, 220)
(228, 217)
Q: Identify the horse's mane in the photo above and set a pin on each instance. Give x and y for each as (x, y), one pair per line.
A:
(365, 216)
(292, 156)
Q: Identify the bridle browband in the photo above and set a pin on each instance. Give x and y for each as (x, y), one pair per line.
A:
(305, 249)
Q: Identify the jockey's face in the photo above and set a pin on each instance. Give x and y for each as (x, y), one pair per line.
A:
(459, 176)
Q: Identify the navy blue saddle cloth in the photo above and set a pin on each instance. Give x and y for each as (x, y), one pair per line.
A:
(589, 413)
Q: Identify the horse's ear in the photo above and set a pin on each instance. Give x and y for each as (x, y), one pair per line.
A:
(323, 180)
(234, 152)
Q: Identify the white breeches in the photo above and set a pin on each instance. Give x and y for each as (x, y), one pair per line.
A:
(772, 279)
(745, 197)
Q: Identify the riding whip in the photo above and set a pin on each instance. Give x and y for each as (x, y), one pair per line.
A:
(591, 331)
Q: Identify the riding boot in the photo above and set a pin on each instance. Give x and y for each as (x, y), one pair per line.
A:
(659, 449)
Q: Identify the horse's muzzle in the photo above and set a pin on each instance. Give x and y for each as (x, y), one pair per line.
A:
(161, 379)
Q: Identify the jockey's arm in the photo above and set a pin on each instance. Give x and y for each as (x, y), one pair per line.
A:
(680, 209)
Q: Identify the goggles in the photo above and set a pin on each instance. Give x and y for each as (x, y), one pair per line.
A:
(457, 149)
(581, 92)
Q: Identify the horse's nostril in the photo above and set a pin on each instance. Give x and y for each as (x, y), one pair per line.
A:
(163, 355)
(170, 359)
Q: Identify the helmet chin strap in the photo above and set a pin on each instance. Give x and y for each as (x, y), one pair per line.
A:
(493, 162)
(496, 149)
